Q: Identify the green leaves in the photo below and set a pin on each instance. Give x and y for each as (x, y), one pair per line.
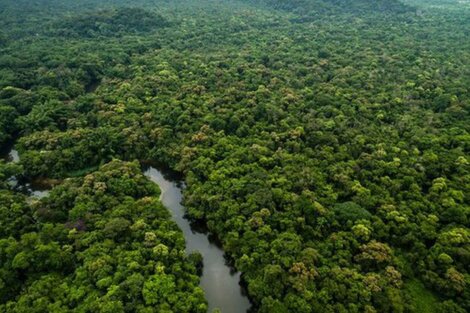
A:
(324, 142)
(111, 242)
(109, 23)
(159, 290)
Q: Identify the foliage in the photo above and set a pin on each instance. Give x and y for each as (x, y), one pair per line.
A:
(100, 243)
(110, 23)
(326, 143)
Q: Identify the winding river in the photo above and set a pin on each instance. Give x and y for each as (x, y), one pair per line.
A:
(219, 281)
(221, 284)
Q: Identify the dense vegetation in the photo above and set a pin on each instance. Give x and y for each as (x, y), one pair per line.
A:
(110, 23)
(101, 243)
(326, 143)
(315, 7)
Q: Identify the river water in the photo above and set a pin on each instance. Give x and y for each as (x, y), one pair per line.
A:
(219, 282)
(32, 190)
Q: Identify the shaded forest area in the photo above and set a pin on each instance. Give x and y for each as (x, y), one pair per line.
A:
(325, 143)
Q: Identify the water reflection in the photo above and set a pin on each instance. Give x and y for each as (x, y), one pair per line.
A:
(220, 283)
(34, 190)
(13, 156)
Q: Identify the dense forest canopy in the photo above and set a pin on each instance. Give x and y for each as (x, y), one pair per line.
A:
(344, 6)
(110, 23)
(325, 143)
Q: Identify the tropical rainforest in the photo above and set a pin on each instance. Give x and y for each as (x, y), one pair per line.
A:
(325, 143)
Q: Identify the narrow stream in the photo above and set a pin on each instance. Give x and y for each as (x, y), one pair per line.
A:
(219, 282)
